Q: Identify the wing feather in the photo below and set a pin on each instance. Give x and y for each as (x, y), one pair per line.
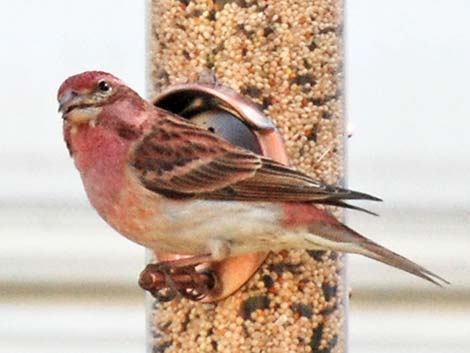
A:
(179, 159)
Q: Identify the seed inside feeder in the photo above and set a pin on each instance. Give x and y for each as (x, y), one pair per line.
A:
(287, 55)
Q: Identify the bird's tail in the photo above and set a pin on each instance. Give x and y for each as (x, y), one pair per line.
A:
(339, 237)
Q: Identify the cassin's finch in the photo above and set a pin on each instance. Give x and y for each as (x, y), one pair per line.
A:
(173, 187)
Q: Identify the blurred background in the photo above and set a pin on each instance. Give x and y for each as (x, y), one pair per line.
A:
(69, 282)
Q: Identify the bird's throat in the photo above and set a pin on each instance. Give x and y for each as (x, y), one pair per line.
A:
(85, 115)
(100, 155)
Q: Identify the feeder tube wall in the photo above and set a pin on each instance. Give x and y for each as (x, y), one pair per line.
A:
(285, 55)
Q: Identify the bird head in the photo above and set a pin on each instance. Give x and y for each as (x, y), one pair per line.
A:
(81, 97)
(98, 102)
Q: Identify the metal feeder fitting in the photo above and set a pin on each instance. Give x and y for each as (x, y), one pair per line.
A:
(236, 119)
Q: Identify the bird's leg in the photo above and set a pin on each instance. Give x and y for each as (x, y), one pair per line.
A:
(201, 284)
(168, 279)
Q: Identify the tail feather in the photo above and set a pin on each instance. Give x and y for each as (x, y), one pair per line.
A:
(379, 253)
(342, 238)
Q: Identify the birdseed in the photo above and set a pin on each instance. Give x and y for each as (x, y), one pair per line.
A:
(285, 55)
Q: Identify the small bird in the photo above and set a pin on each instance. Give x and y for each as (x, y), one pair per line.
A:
(171, 186)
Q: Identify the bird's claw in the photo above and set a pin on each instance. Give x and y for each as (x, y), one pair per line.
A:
(166, 282)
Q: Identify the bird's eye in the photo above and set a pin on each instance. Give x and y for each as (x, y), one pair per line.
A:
(104, 86)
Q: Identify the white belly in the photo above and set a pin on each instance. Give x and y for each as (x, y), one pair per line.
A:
(200, 227)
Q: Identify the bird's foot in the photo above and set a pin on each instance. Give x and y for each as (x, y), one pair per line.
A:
(177, 278)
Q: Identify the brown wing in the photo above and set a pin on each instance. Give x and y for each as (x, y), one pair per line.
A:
(178, 159)
(276, 182)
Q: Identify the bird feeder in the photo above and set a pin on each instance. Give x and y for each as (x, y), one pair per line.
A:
(278, 65)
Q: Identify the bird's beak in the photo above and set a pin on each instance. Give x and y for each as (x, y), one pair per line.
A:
(75, 110)
(65, 101)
